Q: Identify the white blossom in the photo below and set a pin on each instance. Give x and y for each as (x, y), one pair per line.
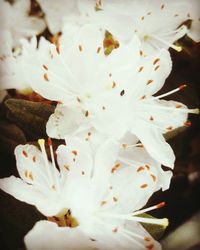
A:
(16, 23)
(92, 197)
(110, 94)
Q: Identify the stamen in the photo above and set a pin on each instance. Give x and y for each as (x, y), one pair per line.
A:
(54, 164)
(175, 47)
(41, 143)
(163, 222)
(181, 87)
(159, 205)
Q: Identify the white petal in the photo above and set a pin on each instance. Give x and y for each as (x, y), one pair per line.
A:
(45, 202)
(155, 143)
(47, 236)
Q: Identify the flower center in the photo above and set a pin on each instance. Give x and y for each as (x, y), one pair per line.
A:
(64, 219)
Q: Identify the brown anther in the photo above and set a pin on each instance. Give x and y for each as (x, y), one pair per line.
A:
(34, 158)
(80, 48)
(146, 238)
(147, 167)
(157, 67)
(98, 50)
(115, 199)
(122, 92)
(103, 107)
(141, 53)
(183, 86)
(124, 145)
(150, 247)
(162, 6)
(78, 99)
(187, 124)
(45, 67)
(46, 77)
(26, 173)
(176, 15)
(25, 153)
(58, 49)
(141, 168)
(66, 167)
(156, 60)
(161, 204)
(179, 106)
(144, 185)
(153, 177)
(110, 74)
(149, 13)
(149, 82)
(170, 128)
(151, 118)
(103, 203)
(140, 69)
(113, 85)
(30, 176)
(143, 97)
(115, 230)
(86, 113)
(117, 165)
(74, 152)
(142, 18)
(83, 173)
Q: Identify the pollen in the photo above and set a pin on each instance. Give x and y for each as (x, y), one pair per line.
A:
(144, 185)
(141, 168)
(151, 118)
(150, 247)
(98, 50)
(58, 49)
(103, 203)
(157, 67)
(86, 113)
(25, 153)
(147, 167)
(80, 48)
(113, 85)
(156, 60)
(45, 67)
(46, 77)
(162, 6)
(153, 177)
(66, 167)
(74, 152)
(115, 199)
(146, 238)
(117, 165)
(140, 69)
(115, 230)
(149, 82)
(122, 92)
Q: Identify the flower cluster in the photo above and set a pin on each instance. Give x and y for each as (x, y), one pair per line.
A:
(102, 65)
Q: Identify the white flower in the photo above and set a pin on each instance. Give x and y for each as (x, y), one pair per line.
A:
(110, 94)
(15, 23)
(92, 196)
(56, 11)
(158, 23)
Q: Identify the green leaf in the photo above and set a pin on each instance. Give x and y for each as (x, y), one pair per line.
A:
(30, 116)
(156, 231)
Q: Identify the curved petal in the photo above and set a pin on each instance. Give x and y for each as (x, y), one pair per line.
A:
(155, 144)
(45, 201)
(46, 235)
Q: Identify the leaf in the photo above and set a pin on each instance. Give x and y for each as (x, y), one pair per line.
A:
(171, 134)
(30, 116)
(10, 136)
(156, 231)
